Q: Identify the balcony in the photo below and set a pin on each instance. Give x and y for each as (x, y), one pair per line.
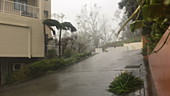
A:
(21, 9)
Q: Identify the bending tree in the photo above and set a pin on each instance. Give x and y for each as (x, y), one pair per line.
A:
(60, 26)
(93, 23)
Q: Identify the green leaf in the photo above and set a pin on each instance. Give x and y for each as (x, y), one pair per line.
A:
(125, 83)
(155, 11)
(136, 25)
(167, 2)
(130, 18)
(52, 22)
(155, 1)
(68, 26)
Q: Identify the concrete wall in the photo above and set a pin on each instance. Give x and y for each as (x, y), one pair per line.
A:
(45, 5)
(32, 2)
(133, 46)
(160, 66)
(21, 36)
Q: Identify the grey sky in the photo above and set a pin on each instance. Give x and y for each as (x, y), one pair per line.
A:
(72, 7)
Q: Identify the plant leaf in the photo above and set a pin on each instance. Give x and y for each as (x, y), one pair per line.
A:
(52, 22)
(167, 2)
(155, 1)
(136, 25)
(68, 26)
(130, 18)
(154, 12)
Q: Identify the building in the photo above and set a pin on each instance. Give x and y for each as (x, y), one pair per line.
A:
(22, 38)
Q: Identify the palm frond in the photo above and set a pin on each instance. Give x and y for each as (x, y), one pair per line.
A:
(52, 22)
(54, 33)
(68, 26)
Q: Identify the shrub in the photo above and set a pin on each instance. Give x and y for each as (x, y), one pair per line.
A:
(124, 84)
(82, 55)
(16, 76)
(51, 53)
(42, 67)
(144, 50)
(67, 53)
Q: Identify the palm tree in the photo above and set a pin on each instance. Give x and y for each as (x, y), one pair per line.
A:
(60, 26)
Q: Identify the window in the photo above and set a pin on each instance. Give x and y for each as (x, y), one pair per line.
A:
(20, 5)
(17, 66)
(45, 14)
(16, 4)
(23, 6)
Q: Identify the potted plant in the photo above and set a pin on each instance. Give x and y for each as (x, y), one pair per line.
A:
(125, 83)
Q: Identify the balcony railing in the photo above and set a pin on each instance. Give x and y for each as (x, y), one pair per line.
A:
(19, 9)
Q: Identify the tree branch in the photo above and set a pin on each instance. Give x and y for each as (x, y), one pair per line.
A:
(130, 18)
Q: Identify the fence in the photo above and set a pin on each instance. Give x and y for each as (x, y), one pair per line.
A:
(19, 9)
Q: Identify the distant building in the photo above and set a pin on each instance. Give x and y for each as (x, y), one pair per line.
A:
(22, 39)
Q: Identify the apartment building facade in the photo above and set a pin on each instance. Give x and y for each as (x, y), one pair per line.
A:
(22, 38)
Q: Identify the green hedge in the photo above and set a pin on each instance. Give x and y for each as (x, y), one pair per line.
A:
(42, 67)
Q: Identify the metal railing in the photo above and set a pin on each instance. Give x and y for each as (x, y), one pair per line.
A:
(19, 9)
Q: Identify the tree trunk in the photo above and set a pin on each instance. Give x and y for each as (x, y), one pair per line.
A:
(45, 46)
(60, 44)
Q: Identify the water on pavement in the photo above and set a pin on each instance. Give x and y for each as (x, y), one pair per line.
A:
(91, 77)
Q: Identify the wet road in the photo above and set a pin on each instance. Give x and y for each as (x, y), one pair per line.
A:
(90, 77)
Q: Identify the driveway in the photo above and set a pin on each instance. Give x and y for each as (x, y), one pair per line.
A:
(90, 77)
